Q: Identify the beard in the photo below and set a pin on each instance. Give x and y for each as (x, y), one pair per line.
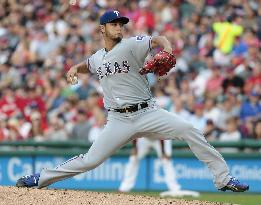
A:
(116, 39)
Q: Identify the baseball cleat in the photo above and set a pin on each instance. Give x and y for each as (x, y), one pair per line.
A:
(235, 186)
(28, 181)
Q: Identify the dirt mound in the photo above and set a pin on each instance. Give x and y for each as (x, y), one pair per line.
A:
(21, 196)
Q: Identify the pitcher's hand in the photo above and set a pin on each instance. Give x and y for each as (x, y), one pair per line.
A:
(72, 75)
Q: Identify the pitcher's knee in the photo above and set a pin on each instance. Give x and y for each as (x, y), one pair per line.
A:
(187, 126)
(189, 129)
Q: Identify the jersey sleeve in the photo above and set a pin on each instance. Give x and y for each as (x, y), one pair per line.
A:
(140, 47)
(90, 64)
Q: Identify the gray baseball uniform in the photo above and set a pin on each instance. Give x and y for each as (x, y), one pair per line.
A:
(123, 86)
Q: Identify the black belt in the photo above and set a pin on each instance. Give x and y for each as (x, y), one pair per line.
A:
(132, 108)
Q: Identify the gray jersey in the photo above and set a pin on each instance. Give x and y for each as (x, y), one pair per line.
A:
(118, 72)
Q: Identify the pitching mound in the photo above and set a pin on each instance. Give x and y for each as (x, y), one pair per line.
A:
(21, 196)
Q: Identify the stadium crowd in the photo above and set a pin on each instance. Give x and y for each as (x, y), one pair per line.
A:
(216, 83)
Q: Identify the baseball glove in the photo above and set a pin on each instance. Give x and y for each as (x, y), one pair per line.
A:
(160, 64)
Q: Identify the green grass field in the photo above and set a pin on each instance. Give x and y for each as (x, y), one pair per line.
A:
(234, 198)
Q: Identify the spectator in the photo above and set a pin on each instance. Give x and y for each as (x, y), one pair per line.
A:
(82, 127)
(98, 125)
(231, 134)
(5, 51)
(13, 129)
(211, 132)
(211, 110)
(85, 87)
(144, 19)
(185, 91)
(178, 108)
(56, 26)
(198, 119)
(161, 98)
(95, 100)
(22, 55)
(257, 130)
(3, 128)
(232, 80)
(38, 129)
(56, 131)
(258, 21)
(251, 109)
(224, 111)
(54, 99)
(198, 85)
(213, 85)
(254, 80)
(247, 129)
(41, 46)
(9, 76)
(226, 33)
(8, 103)
(24, 127)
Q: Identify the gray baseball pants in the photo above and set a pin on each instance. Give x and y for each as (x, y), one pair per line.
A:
(124, 127)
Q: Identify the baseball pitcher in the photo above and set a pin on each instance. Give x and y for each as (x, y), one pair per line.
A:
(132, 110)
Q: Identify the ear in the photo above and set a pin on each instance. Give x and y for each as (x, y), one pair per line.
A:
(102, 28)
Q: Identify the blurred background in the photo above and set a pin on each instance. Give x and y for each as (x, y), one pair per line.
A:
(216, 83)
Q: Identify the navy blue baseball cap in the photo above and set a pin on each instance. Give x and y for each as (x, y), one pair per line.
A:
(110, 16)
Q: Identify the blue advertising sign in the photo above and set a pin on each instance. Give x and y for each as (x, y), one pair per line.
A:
(191, 173)
(194, 175)
(12, 168)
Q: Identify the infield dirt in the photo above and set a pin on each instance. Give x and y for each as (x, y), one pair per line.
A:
(24, 196)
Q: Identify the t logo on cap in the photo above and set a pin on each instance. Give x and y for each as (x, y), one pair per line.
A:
(117, 13)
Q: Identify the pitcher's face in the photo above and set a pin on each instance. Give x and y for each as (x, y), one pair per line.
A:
(113, 31)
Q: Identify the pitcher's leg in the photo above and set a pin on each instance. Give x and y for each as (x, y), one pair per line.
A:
(209, 155)
(106, 144)
(171, 126)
